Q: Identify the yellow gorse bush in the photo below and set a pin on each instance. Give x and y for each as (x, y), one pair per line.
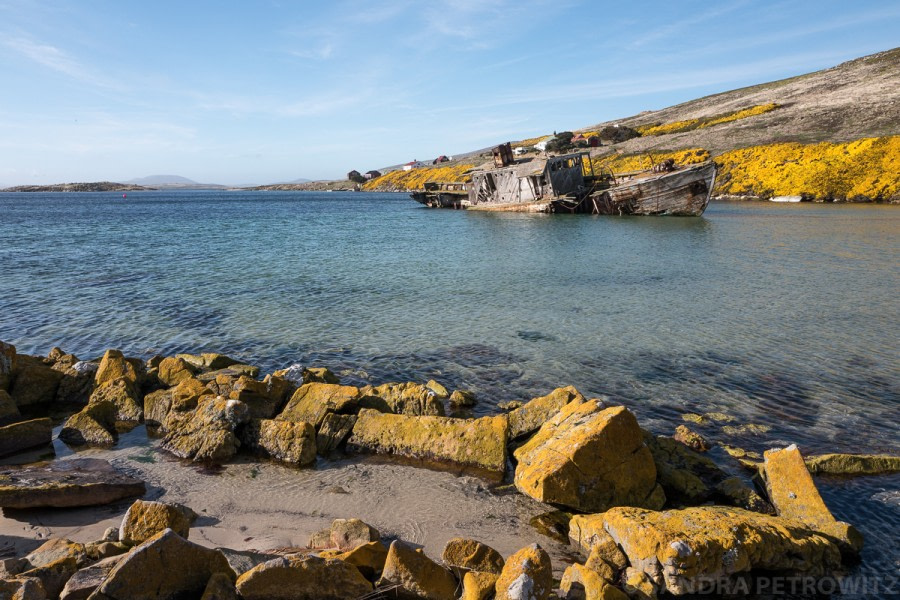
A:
(691, 124)
(415, 179)
(868, 168)
(622, 163)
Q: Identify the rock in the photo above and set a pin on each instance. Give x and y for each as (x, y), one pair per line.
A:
(318, 375)
(589, 458)
(794, 495)
(78, 381)
(439, 390)
(164, 567)
(220, 587)
(402, 399)
(596, 542)
(115, 366)
(110, 534)
(124, 395)
(605, 568)
(242, 561)
(34, 382)
(100, 550)
(582, 583)
(9, 412)
(478, 586)
(7, 364)
(146, 518)
(638, 585)
(95, 425)
(416, 575)
(294, 374)
(207, 433)
(320, 540)
(680, 550)
(463, 398)
(510, 406)
(210, 361)
(264, 398)
(286, 441)
(478, 443)
(347, 534)
(553, 524)
(527, 575)
(296, 577)
(53, 576)
(66, 483)
(529, 417)
(691, 439)
(28, 588)
(334, 431)
(312, 401)
(83, 583)
(462, 555)
(368, 558)
(54, 550)
(850, 464)
(735, 492)
(24, 435)
(182, 398)
(172, 371)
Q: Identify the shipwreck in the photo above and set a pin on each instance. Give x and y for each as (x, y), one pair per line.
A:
(567, 183)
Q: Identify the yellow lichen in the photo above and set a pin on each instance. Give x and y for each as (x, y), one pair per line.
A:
(415, 179)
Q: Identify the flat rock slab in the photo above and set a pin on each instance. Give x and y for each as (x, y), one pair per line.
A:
(66, 483)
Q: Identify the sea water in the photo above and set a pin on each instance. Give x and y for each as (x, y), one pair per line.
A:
(784, 317)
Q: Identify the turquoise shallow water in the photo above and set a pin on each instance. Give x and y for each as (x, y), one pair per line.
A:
(782, 315)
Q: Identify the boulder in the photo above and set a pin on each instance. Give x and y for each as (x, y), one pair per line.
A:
(334, 431)
(66, 483)
(33, 382)
(264, 398)
(582, 583)
(78, 379)
(208, 361)
(312, 401)
(220, 587)
(83, 583)
(7, 364)
(164, 567)
(207, 433)
(527, 575)
(9, 412)
(589, 458)
(369, 558)
(124, 395)
(28, 588)
(850, 464)
(478, 586)
(416, 575)
(462, 555)
(680, 550)
(172, 371)
(794, 495)
(286, 441)
(463, 398)
(296, 577)
(114, 366)
(478, 443)
(529, 417)
(402, 399)
(691, 439)
(54, 550)
(182, 398)
(24, 435)
(318, 375)
(347, 534)
(146, 518)
(597, 544)
(639, 586)
(554, 524)
(94, 425)
(440, 391)
(53, 575)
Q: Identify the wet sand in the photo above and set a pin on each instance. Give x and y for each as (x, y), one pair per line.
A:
(259, 505)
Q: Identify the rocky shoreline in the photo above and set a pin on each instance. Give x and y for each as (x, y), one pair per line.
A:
(643, 515)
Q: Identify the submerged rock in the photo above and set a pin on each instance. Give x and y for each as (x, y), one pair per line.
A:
(297, 577)
(416, 575)
(24, 435)
(478, 443)
(94, 425)
(853, 464)
(794, 495)
(526, 574)
(146, 518)
(691, 439)
(680, 550)
(529, 417)
(589, 458)
(66, 483)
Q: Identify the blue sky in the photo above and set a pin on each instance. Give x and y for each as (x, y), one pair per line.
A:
(257, 92)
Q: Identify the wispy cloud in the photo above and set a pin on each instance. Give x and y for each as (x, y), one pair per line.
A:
(57, 60)
(686, 25)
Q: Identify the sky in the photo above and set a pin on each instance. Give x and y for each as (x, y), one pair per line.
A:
(269, 91)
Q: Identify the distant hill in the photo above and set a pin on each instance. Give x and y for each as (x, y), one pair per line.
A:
(154, 180)
(98, 186)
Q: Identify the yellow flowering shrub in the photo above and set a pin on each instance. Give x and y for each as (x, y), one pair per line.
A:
(868, 168)
(529, 141)
(415, 179)
(622, 163)
(691, 124)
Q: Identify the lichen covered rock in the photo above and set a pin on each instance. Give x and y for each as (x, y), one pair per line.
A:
(527, 575)
(33, 382)
(172, 371)
(478, 443)
(287, 441)
(478, 586)
(24, 435)
(369, 558)
(7, 364)
(589, 458)
(402, 399)
(296, 577)
(853, 464)
(579, 581)
(114, 366)
(123, 394)
(529, 417)
(9, 412)
(312, 401)
(416, 574)
(207, 433)
(334, 431)
(94, 425)
(463, 555)
(146, 518)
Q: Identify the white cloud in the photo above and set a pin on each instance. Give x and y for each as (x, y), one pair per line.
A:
(57, 60)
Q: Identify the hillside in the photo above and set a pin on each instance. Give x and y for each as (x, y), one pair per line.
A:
(99, 186)
(829, 135)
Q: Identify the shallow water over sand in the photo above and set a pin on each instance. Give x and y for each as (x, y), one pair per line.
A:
(780, 315)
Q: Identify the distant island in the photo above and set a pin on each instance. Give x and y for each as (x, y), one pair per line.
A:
(97, 186)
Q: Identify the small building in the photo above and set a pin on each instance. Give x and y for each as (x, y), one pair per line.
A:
(353, 175)
(518, 150)
(503, 155)
(372, 174)
(413, 164)
(440, 159)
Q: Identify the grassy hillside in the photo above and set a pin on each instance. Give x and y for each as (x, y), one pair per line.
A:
(829, 135)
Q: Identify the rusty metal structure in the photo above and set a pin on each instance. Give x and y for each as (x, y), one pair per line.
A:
(503, 155)
(534, 182)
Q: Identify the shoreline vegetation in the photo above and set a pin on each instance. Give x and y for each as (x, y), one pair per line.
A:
(827, 136)
(645, 514)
